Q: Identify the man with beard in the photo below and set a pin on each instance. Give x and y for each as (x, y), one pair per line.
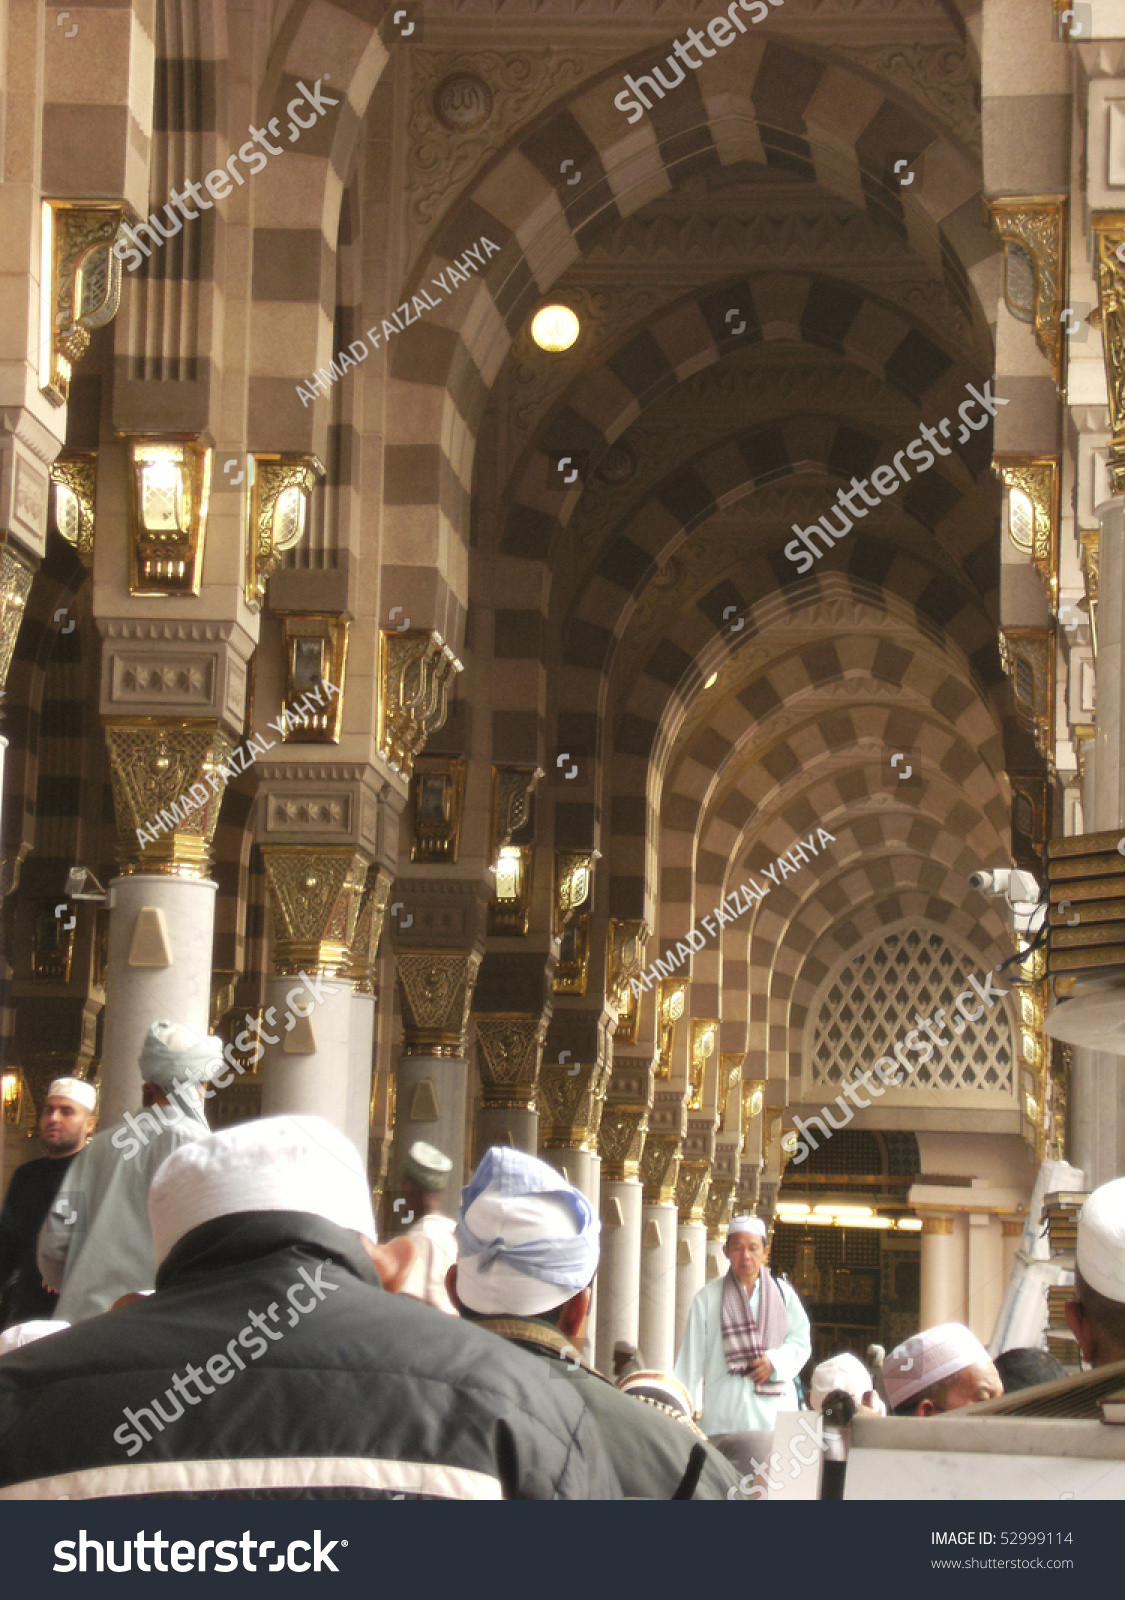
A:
(64, 1127)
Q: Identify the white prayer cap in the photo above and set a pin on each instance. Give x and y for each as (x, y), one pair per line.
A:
(845, 1372)
(929, 1357)
(274, 1164)
(1100, 1257)
(746, 1224)
(173, 1052)
(76, 1089)
(526, 1239)
(21, 1333)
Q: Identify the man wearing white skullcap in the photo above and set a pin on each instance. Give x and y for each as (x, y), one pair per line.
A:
(747, 1338)
(64, 1126)
(1096, 1315)
(271, 1358)
(95, 1244)
(425, 1177)
(527, 1250)
(941, 1369)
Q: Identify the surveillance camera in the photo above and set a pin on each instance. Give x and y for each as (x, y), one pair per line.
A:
(981, 881)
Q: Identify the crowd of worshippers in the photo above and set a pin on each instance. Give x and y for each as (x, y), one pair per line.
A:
(167, 1262)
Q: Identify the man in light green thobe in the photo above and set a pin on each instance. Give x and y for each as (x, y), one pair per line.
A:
(96, 1244)
(730, 1401)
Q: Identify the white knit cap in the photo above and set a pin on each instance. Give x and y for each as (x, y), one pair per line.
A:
(21, 1333)
(929, 1357)
(1100, 1256)
(845, 1372)
(746, 1224)
(273, 1164)
(76, 1089)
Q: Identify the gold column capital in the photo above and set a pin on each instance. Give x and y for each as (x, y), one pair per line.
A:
(692, 1189)
(937, 1225)
(571, 1100)
(315, 893)
(660, 1168)
(369, 928)
(166, 794)
(621, 1140)
(436, 990)
(509, 1054)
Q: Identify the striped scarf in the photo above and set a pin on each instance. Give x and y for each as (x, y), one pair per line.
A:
(746, 1340)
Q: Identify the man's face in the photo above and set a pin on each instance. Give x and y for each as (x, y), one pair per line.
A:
(747, 1254)
(63, 1126)
(980, 1382)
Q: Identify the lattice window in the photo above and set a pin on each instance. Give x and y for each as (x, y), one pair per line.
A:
(870, 1002)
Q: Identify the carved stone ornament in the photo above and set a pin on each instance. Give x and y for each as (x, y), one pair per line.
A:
(16, 573)
(415, 672)
(1109, 236)
(1032, 229)
(621, 1141)
(73, 479)
(692, 1187)
(1028, 657)
(625, 958)
(704, 1037)
(84, 291)
(571, 1098)
(167, 792)
(660, 1168)
(509, 1050)
(1032, 483)
(279, 508)
(462, 102)
(436, 990)
(315, 894)
(369, 928)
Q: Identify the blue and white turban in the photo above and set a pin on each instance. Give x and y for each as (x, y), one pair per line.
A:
(174, 1053)
(526, 1239)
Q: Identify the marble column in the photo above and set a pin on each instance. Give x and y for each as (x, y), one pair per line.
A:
(436, 991)
(657, 1318)
(361, 1053)
(691, 1271)
(162, 907)
(621, 1144)
(942, 1291)
(571, 1098)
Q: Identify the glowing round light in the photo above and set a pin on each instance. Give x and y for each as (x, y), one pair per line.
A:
(554, 328)
(712, 681)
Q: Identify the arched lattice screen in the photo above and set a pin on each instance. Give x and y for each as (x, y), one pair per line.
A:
(869, 1004)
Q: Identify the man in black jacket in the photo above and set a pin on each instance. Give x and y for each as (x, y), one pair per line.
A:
(527, 1248)
(271, 1288)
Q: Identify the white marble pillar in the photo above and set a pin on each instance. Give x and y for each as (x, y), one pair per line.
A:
(943, 1285)
(986, 1278)
(620, 1270)
(717, 1262)
(161, 933)
(306, 1070)
(691, 1271)
(582, 1168)
(430, 1105)
(361, 1046)
(656, 1323)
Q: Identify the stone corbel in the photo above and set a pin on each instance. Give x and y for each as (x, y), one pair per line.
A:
(625, 957)
(416, 669)
(167, 792)
(436, 990)
(315, 893)
(509, 1055)
(1028, 657)
(84, 287)
(1032, 485)
(1032, 229)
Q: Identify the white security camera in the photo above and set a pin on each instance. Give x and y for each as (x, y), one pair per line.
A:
(1021, 891)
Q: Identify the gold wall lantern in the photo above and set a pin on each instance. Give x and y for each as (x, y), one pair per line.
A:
(512, 831)
(437, 803)
(79, 284)
(11, 1087)
(73, 480)
(316, 653)
(1031, 503)
(280, 487)
(704, 1037)
(171, 484)
(670, 1002)
(574, 878)
(625, 956)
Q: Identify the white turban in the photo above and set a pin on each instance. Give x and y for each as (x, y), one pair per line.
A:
(76, 1089)
(21, 1333)
(526, 1239)
(929, 1357)
(1100, 1257)
(174, 1053)
(845, 1372)
(746, 1224)
(274, 1164)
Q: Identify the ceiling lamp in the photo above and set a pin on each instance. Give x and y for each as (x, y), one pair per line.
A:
(554, 328)
(845, 1211)
(909, 1224)
(712, 681)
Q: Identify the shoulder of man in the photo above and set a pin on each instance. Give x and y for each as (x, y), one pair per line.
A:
(649, 1448)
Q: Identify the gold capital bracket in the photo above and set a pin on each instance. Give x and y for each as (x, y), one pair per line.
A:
(1032, 229)
(1032, 483)
(80, 284)
(316, 653)
(625, 958)
(671, 998)
(280, 488)
(574, 878)
(73, 484)
(704, 1038)
(509, 1055)
(1109, 237)
(416, 669)
(167, 792)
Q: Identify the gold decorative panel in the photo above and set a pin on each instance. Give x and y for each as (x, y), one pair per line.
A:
(671, 998)
(316, 653)
(729, 1099)
(167, 792)
(73, 481)
(692, 1185)
(571, 1097)
(279, 507)
(1032, 483)
(170, 487)
(436, 989)
(1089, 553)
(704, 1038)
(660, 1168)
(511, 834)
(437, 802)
(1109, 236)
(16, 573)
(509, 1051)
(416, 669)
(315, 893)
(1032, 229)
(369, 928)
(622, 1140)
(574, 876)
(625, 956)
(81, 284)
